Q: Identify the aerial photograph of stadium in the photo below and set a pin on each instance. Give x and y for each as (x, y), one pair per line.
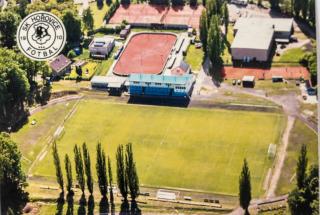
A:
(159, 107)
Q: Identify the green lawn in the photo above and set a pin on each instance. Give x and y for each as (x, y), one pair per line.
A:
(188, 148)
(104, 66)
(293, 55)
(88, 70)
(68, 85)
(277, 88)
(98, 14)
(34, 137)
(194, 58)
(300, 134)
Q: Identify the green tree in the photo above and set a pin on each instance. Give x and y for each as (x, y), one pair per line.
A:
(110, 180)
(212, 9)
(9, 22)
(306, 199)
(274, 4)
(132, 175)
(22, 7)
(297, 7)
(14, 90)
(68, 173)
(245, 187)
(177, 2)
(215, 42)
(312, 13)
(73, 26)
(301, 168)
(304, 9)
(102, 170)
(225, 17)
(57, 165)
(193, 3)
(87, 19)
(12, 178)
(87, 165)
(121, 173)
(79, 168)
(204, 29)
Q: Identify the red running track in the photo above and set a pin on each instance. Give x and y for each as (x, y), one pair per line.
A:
(145, 53)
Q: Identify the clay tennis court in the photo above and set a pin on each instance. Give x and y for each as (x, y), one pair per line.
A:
(145, 53)
(145, 14)
(285, 72)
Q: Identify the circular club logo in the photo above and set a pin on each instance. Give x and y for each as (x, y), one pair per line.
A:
(41, 36)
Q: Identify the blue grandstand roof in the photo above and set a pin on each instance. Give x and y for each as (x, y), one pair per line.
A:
(166, 79)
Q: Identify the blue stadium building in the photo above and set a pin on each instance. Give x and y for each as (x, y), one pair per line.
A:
(161, 85)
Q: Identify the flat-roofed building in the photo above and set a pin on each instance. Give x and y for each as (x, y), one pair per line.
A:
(255, 37)
(101, 47)
(283, 27)
(248, 45)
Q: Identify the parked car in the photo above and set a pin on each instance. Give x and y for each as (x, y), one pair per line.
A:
(297, 83)
(239, 82)
(234, 82)
(311, 91)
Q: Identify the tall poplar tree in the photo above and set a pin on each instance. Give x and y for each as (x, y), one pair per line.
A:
(57, 165)
(301, 168)
(68, 172)
(87, 165)
(245, 187)
(102, 171)
(110, 180)
(121, 173)
(79, 168)
(204, 29)
(215, 42)
(133, 179)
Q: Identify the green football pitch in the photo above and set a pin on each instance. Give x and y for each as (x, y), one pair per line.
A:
(201, 149)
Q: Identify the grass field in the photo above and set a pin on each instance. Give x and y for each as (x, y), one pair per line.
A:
(301, 134)
(187, 148)
(195, 58)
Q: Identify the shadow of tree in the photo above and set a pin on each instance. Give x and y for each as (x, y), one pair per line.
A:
(82, 205)
(124, 209)
(104, 205)
(135, 210)
(70, 202)
(91, 205)
(60, 203)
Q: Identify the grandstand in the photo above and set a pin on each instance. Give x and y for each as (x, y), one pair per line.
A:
(161, 85)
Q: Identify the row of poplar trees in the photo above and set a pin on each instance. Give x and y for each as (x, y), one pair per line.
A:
(213, 42)
(302, 9)
(127, 177)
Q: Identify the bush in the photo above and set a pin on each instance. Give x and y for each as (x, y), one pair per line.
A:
(71, 54)
(106, 30)
(114, 6)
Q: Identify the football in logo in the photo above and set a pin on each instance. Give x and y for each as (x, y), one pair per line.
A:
(41, 36)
